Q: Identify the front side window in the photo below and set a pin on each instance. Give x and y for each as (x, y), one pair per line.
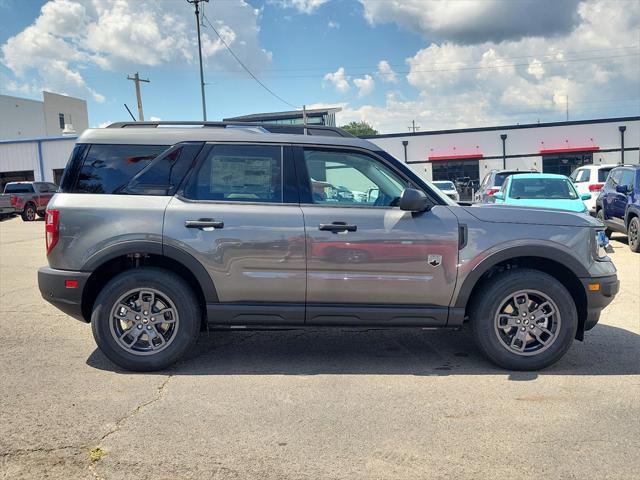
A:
(238, 173)
(349, 178)
(543, 188)
(614, 178)
(627, 178)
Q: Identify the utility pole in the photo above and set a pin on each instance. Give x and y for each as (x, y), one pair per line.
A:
(204, 106)
(414, 127)
(136, 79)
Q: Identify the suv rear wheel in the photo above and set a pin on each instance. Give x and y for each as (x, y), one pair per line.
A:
(633, 234)
(146, 319)
(523, 319)
(29, 212)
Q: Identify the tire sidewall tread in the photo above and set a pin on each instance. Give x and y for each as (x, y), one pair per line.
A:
(486, 303)
(170, 284)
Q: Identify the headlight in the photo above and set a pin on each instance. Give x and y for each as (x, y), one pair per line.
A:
(601, 244)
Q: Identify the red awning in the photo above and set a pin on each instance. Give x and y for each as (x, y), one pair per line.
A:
(456, 156)
(589, 148)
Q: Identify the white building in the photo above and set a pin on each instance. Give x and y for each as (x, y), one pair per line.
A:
(32, 145)
(24, 118)
(549, 147)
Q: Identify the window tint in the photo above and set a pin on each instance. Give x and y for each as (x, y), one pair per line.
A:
(19, 188)
(581, 175)
(238, 173)
(614, 178)
(603, 173)
(164, 174)
(351, 178)
(543, 188)
(627, 178)
(109, 168)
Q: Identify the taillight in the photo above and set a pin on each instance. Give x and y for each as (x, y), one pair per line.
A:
(14, 200)
(52, 228)
(594, 187)
(492, 190)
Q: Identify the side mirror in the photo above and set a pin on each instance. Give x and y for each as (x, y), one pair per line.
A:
(622, 189)
(498, 196)
(413, 200)
(585, 196)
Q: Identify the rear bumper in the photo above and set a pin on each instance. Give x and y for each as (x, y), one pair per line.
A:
(598, 299)
(53, 287)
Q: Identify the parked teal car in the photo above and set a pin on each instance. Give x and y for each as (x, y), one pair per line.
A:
(542, 190)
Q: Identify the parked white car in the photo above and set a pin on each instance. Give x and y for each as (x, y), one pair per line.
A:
(448, 188)
(591, 179)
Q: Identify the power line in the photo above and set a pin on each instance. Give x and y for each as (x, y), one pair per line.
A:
(245, 67)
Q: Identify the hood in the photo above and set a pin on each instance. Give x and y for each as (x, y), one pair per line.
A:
(530, 216)
(575, 205)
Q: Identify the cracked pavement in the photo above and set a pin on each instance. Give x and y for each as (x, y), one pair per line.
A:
(315, 404)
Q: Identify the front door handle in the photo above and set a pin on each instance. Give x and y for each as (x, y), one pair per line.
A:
(204, 223)
(337, 227)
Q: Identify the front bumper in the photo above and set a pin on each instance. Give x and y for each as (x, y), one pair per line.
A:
(598, 299)
(55, 289)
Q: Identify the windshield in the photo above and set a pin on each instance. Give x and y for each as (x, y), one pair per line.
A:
(444, 185)
(543, 188)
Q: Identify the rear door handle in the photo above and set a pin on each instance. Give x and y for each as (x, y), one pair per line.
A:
(204, 223)
(337, 227)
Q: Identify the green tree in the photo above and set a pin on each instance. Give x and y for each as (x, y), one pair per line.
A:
(359, 129)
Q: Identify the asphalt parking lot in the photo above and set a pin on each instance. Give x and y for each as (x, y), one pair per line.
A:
(319, 404)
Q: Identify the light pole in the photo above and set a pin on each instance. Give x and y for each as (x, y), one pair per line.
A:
(204, 106)
(504, 150)
(622, 129)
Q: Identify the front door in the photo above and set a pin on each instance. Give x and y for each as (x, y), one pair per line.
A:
(237, 217)
(367, 260)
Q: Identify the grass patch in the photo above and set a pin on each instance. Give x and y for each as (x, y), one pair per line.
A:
(96, 454)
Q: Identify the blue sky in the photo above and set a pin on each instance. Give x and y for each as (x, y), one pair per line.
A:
(445, 63)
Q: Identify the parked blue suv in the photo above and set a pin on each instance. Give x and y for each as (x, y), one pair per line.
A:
(618, 204)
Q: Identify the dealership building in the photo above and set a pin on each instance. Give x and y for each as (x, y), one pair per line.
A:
(36, 137)
(559, 147)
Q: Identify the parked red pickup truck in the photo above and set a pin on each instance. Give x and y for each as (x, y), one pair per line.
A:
(30, 198)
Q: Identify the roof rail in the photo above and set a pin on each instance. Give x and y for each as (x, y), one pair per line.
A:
(322, 130)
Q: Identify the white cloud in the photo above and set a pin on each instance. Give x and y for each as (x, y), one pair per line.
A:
(302, 6)
(365, 85)
(386, 73)
(154, 119)
(339, 80)
(471, 21)
(521, 80)
(71, 35)
(333, 24)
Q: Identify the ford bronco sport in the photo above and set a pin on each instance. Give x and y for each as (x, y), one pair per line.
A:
(160, 230)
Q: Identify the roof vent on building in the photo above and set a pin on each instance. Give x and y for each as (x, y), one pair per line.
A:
(68, 129)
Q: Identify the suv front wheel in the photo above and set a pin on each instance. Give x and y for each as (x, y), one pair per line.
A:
(146, 319)
(523, 319)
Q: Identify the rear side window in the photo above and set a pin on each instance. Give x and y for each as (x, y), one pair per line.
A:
(603, 173)
(238, 173)
(109, 168)
(500, 178)
(19, 188)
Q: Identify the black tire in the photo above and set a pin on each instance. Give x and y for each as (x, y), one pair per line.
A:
(600, 216)
(489, 300)
(29, 212)
(171, 286)
(633, 234)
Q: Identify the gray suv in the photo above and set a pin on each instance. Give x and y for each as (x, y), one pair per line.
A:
(157, 233)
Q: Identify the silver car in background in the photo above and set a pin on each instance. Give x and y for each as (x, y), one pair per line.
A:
(448, 188)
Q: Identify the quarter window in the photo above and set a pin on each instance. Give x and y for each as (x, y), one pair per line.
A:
(349, 178)
(238, 173)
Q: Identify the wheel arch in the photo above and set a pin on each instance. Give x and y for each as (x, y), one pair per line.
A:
(555, 262)
(115, 259)
(632, 211)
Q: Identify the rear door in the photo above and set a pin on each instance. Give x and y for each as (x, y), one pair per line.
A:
(238, 215)
(365, 256)
(620, 200)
